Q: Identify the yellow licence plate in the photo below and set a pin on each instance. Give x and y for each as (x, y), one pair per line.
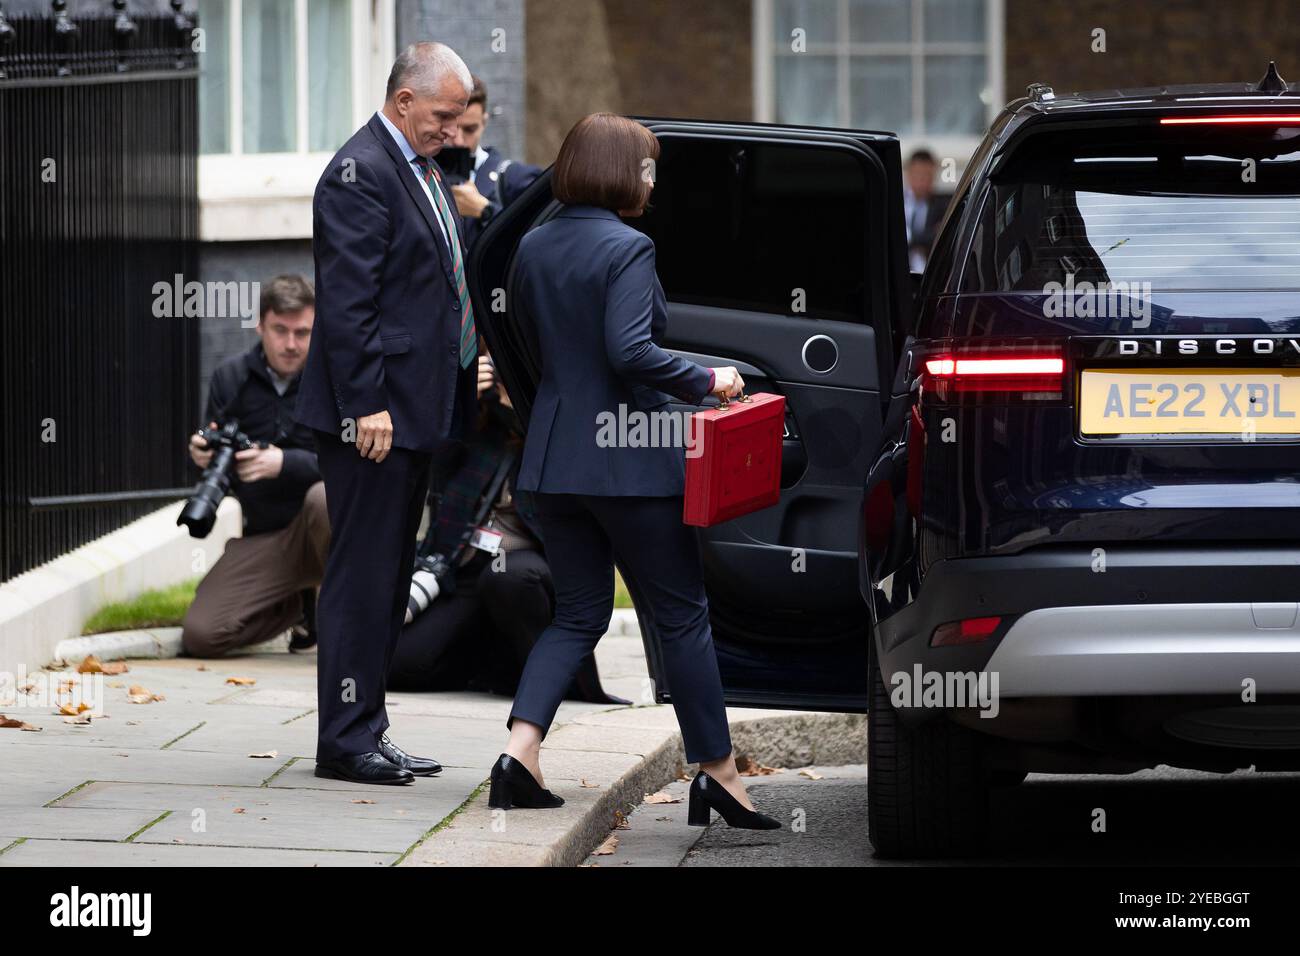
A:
(1153, 401)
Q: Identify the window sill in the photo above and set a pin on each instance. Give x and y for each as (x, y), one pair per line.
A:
(257, 197)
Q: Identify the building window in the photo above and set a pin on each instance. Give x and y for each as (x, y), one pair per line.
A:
(926, 69)
(276, 76)
(282, 85)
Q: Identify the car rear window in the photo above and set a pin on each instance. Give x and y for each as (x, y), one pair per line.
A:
(1213, 207)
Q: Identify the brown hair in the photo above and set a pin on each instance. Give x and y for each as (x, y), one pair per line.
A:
(602, 163)
(478, 95)
(286, 293)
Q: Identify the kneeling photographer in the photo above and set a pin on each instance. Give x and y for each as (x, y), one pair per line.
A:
(264, 583)
(481, 594)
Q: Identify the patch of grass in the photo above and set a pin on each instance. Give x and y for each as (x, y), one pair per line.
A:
(164, 607)
(621, 597)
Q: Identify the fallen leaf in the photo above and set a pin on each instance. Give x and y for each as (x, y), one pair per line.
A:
(590, 786)
(80, 720)
(363, 801)
(240, 810)
(202, 667)
(141, 695)
(620, 821)
(269, 753)
(241, 681)
(749, 767)
(90, 665)
(115, 667)
(810, 773)
(606, 848)
(15, 724)
(68, 710)
(662, 796)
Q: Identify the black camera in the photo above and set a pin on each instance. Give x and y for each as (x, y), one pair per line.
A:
(200, 511)
(433, 575)
(456, 163)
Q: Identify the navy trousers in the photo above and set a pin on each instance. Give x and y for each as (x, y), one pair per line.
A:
(583, 534)
(374, 512)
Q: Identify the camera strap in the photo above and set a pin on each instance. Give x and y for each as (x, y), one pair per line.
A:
(490, 493)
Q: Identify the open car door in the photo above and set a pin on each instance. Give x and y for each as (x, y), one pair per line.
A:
(781, 251)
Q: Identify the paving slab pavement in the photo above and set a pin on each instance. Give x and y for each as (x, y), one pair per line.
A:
(174, 782)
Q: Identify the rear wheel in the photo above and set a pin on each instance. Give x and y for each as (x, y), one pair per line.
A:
(927, 788)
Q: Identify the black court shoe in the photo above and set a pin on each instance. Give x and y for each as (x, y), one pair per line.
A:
(514, 786)
(707, 793)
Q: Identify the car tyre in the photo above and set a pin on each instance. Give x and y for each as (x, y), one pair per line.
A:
(927, 787)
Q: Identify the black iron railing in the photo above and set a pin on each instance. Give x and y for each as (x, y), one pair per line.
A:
(98, 203)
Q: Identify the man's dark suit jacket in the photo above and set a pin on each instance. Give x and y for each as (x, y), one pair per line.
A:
(587, 280)
(387, 329)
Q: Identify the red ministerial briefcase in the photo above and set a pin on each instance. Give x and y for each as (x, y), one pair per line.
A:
(733, 459)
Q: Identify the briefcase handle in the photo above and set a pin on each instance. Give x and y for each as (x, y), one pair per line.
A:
(723, 403)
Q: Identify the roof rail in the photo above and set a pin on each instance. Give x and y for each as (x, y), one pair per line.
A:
(1040, 93)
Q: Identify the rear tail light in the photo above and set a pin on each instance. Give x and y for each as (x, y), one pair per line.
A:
(1034, 376)
(972, 630)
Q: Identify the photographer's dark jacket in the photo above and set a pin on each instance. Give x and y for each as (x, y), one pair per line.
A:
(241, 388)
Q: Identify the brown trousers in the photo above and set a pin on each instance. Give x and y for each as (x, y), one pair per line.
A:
(253, 591)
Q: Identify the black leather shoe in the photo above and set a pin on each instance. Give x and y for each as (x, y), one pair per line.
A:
(420, 766)
(707, 793)
(363, 768)
(513, 785)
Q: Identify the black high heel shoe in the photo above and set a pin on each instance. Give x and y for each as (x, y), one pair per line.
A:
(707, 793)
(513, 785)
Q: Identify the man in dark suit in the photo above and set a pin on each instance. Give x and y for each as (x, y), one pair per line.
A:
(389, 383)
(495, 180)
(923, 209)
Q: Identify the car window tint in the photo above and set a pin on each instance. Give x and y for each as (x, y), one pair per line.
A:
(1218, 209)
(760, 227)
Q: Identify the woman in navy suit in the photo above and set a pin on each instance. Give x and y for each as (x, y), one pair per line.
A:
(587, 280)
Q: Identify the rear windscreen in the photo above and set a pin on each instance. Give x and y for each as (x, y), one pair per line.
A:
(1214, 207)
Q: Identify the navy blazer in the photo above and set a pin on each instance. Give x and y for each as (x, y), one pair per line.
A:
(387, 328)
(587, 282)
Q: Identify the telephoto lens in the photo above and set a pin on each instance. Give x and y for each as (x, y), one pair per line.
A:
(432, 576)
(200, 511)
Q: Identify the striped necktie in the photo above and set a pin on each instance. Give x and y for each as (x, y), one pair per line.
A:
(468, 338)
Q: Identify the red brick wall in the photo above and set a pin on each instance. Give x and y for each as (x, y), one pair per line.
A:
(1148, 42)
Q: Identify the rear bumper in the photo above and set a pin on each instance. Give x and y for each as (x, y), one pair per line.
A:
(1161, 649)
(1154, 622)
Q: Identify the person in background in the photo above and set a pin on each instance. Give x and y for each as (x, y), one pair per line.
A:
(922, 209)
(264, 583)
(496, 180)
(477, 632)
